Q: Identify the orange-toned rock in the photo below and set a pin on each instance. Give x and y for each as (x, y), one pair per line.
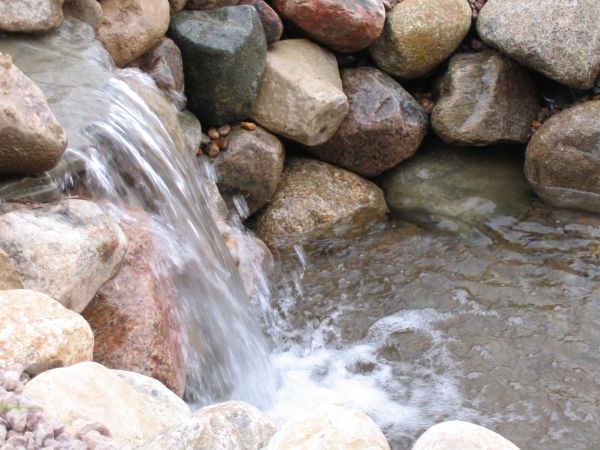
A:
(269, 18)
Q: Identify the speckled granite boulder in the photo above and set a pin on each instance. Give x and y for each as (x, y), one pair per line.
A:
(454, 435)
(271, 22)
(557, 38)
(30, 16)
(419, 35)
(88, 11)
(311, 198)
(484, 98)
(229, 425)
(251, 166)
(341, 25)
(562, 160)
(9, 278)
(40, 333)
(384, 125)
(208, 5)
(224, 54)
(35, 188)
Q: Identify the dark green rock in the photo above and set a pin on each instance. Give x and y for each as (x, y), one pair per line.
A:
(39, 189)
(224, 55)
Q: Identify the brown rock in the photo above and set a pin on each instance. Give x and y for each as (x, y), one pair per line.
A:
(29, 16)
(88, 11)
(271, 22)
(222, 143)
(176, 6)
(250, 167)
(208, 5)
(213, 133)
(484, 98)
(383, 127)
(132, 316)
(249, 126)
(224, 130)
(9, 278)
(212, 150)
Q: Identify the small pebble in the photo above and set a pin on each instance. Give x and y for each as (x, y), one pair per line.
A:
(249, 126)
(213, 133)
(224, 130)
(222, 143)
(204, 139)
(536, 124)
(212, 150)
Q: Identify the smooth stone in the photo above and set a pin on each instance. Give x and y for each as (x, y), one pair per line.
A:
(88, 11)
(167, 406)
(340, 25)
(133, 317)
(66, 249)
(29, 16)
(224, 426)
(224, 53)
(40, 333)
(456, 189)
(130, 28)
(419, 34)
(88, 392)
(384, 126)
(31, 139)
(175, 6)
(192, 131)
(557, 38)
(209, 5)
(330, 426)
(251, 166)
(36, 188)
(313, 197)
(216, 203)
(271, 22)
(562, 162)
(9, 278)
(458, 435)
(484, 98)
(301, 95)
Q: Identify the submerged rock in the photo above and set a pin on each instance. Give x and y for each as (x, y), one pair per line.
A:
(29, 16)
(455, 435)
(36, 188)
(484, 99)
(9, 278)
(192, 131)
(88, 11)
(384, 125)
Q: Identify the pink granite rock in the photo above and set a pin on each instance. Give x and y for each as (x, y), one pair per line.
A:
(269, 18)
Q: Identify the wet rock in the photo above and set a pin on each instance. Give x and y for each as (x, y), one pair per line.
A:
(209, 5)
(66, 250)
(88, 11)
(312, 197)
(30, 16)
(192, 131)
(419, 35)
(223, 426)
(36, 188)
(9, 278)
(384, 125)
(342, 26)
(559, 39)
(216, 202)
(301, 94)
(167, 406)
(130, 28)
(40, 333)
(233, 40)
(458, 188)
(88, 392)
(271, 22)
(133, 318)
(31, 139)
(562, 161)
(251, 167)
(331, 425)
(484, 98)
(461, 435)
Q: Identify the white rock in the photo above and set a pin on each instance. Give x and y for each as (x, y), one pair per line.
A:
(300, 96)
(457, 435)
(40, 333)
(30, 15)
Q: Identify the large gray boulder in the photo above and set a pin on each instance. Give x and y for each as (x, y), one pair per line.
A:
(29, 16)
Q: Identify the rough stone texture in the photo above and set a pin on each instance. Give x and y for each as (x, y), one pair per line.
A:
(233, 40)
(312, 197)
(192, 131)
(384, 125)
(562, 160)
(330, 425)
(88, 392)
(9, 278)
(419, 35)
(176, 6)
(271, 22)
(457, 435)
(225, 426)
(30, 16)
(341, 25)
(169, 408)
(88, 11)
(557, 38)
(132, 27)
(40, 333)
(36, 188)
(66, 250)
(484, 98)
(251, 166)
(457, 188)
(301, 94)
(208, 5)
(133, 318)
(31, 139)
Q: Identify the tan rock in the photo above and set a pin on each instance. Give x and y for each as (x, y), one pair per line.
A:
(301, 95)
(9, 278)
(176, 6)
(31, 139)
(88, 11)
(29, 16)
(330, 426)
(457, 435)
(419, 34)
(88, 392)
(40, 333)
(132, 27)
